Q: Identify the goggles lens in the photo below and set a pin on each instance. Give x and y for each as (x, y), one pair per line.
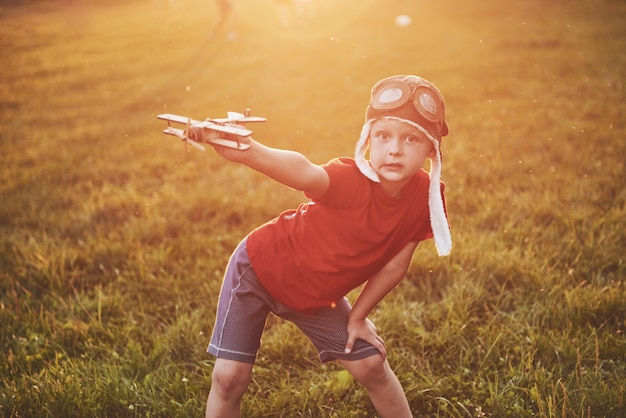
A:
(426, 104)
(390, 95)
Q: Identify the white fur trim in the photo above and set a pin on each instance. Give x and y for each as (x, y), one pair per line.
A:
(359, 154)
(438, 220)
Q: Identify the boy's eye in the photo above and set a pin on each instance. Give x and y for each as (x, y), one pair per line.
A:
(382, 135)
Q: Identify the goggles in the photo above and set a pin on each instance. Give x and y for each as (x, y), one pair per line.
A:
(411, 98)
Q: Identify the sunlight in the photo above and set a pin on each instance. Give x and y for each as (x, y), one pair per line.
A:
(301, 19)
(113, 246)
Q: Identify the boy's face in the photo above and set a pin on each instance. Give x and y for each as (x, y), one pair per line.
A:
(397, 152)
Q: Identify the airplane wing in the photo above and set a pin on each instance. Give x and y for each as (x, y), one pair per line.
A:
(176, 118)
(228, 129)
(180, 133)
(236, 117)
(252, 119)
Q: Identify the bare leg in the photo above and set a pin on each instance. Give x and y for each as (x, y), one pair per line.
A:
(381, 384)
(230, 381)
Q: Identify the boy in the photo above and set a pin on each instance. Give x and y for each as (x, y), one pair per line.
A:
(362, 224)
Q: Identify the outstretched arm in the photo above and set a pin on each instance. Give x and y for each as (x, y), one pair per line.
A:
(376, 288)
(287, 167)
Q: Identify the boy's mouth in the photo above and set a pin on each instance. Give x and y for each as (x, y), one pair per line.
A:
(393, 166)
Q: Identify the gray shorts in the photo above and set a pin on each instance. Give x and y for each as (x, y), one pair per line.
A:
(244, 305)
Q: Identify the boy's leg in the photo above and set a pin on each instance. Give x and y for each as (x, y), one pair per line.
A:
(240, 319)
(230, 381)
(381, 384)
(327, 329)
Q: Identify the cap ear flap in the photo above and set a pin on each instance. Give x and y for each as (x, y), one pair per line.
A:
(359, 153)
(438, 219)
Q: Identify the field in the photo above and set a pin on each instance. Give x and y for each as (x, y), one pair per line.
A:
(113, 238)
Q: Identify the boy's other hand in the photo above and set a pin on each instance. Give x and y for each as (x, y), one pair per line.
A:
(365, 330)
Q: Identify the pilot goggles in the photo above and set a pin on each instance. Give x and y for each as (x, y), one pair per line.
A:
(411, 98)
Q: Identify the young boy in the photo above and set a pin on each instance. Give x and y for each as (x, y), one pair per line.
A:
(361, 225)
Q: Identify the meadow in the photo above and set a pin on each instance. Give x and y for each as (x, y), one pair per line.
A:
(113, 237)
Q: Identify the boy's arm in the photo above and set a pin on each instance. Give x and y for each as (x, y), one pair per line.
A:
(376, 288)
(287, 167)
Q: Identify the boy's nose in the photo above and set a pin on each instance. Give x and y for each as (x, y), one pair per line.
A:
(395, 146)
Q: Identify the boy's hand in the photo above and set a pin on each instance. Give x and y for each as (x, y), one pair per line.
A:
(231, 154)
(365, 330)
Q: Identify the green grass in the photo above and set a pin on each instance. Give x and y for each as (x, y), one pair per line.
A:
(112, 243)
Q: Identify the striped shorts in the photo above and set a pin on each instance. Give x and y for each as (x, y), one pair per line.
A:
(244, 306)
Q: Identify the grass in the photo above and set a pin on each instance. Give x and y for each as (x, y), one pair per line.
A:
(112, 244)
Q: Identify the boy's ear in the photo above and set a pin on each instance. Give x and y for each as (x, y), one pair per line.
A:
(432, 153)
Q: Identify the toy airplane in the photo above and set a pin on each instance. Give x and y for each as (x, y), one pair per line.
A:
(220, 131)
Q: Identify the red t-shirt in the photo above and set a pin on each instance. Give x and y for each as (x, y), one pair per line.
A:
(314, 255)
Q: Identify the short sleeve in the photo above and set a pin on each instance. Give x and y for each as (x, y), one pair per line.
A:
(347, 186)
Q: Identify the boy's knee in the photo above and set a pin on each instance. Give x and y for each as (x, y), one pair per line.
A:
(231, 380)
(369, 371)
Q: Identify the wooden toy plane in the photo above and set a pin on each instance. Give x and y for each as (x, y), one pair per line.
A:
(220, 131)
